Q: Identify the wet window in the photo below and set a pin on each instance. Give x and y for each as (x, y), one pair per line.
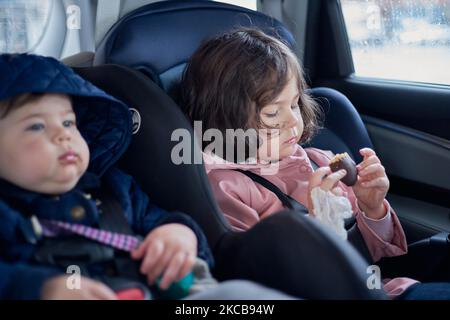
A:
(250, 4)
(22, 24)
(400, 39)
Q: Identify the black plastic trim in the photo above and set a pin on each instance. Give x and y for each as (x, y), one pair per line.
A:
(419, 191)
(416, 134)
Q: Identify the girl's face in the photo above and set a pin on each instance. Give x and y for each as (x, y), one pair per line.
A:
(283, 114)
(41, 147)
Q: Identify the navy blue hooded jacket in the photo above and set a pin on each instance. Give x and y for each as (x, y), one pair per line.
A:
(105, 123)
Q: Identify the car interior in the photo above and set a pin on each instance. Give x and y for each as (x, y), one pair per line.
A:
(419, 190)
(137, 51)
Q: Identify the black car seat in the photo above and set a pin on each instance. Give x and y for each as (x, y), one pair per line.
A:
(158, 40)
(265, 252)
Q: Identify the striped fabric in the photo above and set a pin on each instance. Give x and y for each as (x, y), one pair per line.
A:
(51, 228)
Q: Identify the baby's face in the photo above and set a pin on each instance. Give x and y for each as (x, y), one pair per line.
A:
(41, 147)
(284, 115)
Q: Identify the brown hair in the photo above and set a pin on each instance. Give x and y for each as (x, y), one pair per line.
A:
(8, 105)
(230, 78)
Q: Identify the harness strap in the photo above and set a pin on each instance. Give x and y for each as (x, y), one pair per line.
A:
(286, 199)
(51, 228)
(112, 217)
(86, 246)
(114, 229)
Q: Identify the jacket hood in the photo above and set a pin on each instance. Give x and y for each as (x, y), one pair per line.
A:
(104, 122)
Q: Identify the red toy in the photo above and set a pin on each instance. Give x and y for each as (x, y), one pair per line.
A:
(130, 294)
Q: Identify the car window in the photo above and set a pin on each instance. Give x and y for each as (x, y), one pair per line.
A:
(400, 39)
(22, 23)
(250, 4)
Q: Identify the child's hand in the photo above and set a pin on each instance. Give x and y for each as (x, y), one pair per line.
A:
(170, 248)
(372, 185)
(56, 289)
(327, 181)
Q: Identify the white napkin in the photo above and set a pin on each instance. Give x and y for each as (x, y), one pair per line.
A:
(331, 210)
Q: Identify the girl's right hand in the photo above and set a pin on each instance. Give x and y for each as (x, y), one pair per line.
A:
(326, 180)
(56, 289)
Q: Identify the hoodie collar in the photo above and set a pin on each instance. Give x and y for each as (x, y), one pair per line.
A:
(16, 194)
(214, 162)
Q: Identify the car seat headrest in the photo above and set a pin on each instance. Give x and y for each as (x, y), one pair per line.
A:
(158, 39)
(343, 130)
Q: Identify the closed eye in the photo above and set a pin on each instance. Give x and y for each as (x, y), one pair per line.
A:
(271, 115)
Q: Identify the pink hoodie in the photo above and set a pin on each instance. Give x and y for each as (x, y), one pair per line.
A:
(245, 202)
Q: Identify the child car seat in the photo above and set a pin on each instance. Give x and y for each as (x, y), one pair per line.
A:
(273, 252)
(164, 37)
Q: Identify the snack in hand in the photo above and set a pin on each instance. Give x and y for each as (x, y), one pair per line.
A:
(343, 161)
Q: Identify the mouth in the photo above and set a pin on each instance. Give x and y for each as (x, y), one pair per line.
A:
(292, 140)
(69, 157)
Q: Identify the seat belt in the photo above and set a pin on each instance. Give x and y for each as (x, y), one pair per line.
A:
(285, 199)
(113, 219)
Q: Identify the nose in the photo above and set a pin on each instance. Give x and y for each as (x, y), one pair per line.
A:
(291, 119)
(62, 135)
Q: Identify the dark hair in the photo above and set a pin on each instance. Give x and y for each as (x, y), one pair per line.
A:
(230, 78)
(8, 105)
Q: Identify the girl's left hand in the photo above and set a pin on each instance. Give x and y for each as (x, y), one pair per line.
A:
(372, 185)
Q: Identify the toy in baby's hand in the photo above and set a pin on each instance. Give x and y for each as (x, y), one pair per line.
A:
(343, 161)
(178, 289)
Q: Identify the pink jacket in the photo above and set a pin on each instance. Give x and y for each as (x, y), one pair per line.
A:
(245, 202)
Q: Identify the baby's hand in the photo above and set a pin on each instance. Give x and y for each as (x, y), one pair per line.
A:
(56, 289)
(327, 181)
(372, 185)
(170, 248)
